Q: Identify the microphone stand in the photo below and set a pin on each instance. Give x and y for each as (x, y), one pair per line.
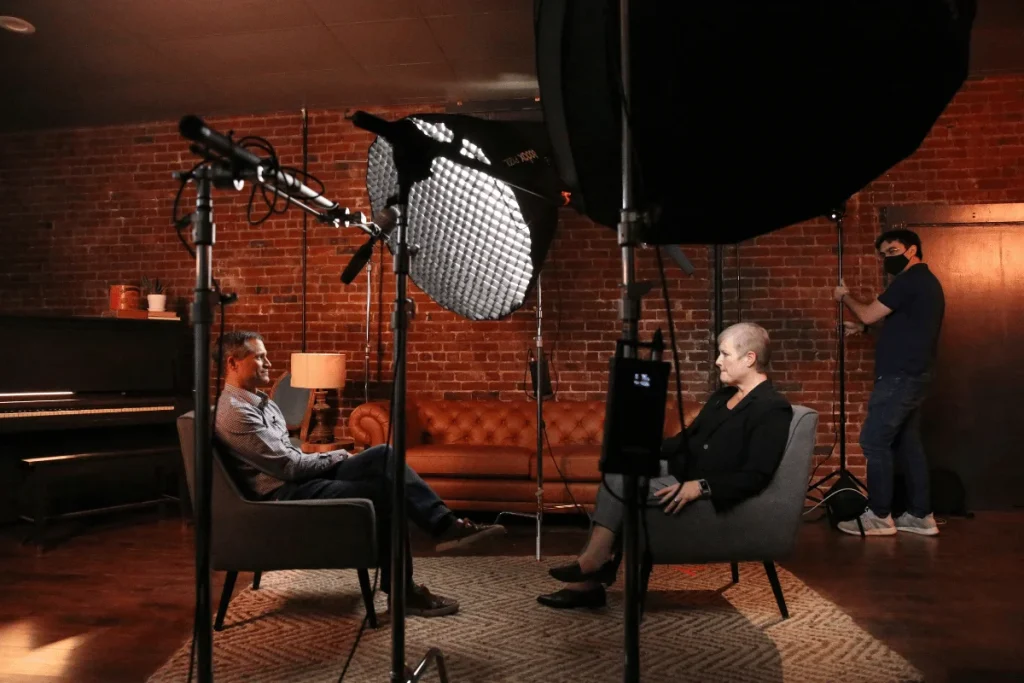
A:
(204, 237)
(226, 164)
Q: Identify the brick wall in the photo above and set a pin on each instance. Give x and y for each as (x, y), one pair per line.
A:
(84, 209)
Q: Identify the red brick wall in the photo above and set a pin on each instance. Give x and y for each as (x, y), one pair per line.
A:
(84, 209)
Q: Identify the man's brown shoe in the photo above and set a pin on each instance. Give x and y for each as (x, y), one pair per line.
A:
(420, 602)
(462, 532)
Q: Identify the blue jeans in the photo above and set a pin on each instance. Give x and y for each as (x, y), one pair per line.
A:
(368, 475)
(892, 430)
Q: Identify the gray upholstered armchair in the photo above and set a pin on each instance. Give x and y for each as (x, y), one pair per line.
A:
(295, 404)
(259, 536)
(762, 529)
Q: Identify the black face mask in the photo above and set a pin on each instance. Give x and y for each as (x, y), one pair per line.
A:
(894, 265)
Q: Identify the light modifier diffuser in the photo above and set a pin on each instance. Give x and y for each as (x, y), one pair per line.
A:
(478, 242)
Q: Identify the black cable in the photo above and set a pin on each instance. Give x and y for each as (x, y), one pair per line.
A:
(531, 357)
(552, 368)
(672, 338)
(579, 507)
(679, 389)
(180, 223)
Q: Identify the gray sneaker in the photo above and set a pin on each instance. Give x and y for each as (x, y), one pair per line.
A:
(869, 524)
(924, 526)
(462, 532)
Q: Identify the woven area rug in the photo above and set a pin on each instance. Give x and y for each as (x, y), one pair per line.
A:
(300, 627)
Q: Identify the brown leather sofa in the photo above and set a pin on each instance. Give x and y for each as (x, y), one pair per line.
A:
(481, 455)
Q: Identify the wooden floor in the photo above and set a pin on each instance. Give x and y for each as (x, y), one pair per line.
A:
(114, 600)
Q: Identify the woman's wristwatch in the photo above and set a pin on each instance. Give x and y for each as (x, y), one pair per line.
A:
(705, 489)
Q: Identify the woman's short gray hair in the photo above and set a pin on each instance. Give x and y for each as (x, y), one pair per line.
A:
(747, 337)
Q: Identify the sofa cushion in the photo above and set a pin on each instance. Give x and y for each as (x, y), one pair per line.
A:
(483, 423)
(575, 463)
(464, 461)
(571, 422)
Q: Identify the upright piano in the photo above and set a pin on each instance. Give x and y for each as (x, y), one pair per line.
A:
(89, 386)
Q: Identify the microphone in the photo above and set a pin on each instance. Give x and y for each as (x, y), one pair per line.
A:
(385, 220)
(195, 129)
(358, 262)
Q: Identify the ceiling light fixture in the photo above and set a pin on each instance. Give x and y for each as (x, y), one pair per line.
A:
(16, 25)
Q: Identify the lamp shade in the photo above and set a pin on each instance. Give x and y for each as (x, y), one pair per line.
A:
(318, 370)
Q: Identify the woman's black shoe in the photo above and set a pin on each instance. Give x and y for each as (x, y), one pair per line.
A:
(570, 599)
(571, 573)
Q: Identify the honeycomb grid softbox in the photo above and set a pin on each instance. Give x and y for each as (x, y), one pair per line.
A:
(747, 116)
(480, 241)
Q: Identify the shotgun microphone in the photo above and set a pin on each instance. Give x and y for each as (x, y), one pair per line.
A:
(385, 221)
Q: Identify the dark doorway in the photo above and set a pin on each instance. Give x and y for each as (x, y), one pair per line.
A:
(973, 422)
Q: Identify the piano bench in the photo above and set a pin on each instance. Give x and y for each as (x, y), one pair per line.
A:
(42, 470)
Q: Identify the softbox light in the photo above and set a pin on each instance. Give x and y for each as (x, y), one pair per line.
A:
(478, 240)
(747, 116)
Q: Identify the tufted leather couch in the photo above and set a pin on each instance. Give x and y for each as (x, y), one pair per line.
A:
(481, 455)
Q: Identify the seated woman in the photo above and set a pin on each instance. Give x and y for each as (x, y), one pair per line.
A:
(728, 453)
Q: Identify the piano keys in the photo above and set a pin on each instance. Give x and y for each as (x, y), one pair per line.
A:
(88, 385)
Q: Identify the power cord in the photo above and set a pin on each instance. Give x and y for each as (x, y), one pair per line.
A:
(836, 492)
(568, 490)
(276, 200)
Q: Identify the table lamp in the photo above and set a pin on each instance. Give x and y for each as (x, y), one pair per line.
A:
(319, 372)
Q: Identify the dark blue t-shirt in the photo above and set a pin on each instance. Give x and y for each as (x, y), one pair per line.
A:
(910, 334)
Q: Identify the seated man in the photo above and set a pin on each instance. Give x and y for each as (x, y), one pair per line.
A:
(728, 454)
(251, 431)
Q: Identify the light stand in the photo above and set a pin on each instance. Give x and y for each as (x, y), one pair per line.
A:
(842, 473)
(366, 344)
(629, 312)
(540, 375)
(412, 163)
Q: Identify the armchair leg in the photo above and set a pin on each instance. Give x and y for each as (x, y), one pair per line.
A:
(773, 578)
(256, 576)
(225, 598)
(366, 588)
(735, 571)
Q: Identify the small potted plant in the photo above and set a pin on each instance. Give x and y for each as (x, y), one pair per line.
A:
(156, 297)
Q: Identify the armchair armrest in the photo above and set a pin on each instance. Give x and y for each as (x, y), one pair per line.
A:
(369, 423)
(295, 534)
